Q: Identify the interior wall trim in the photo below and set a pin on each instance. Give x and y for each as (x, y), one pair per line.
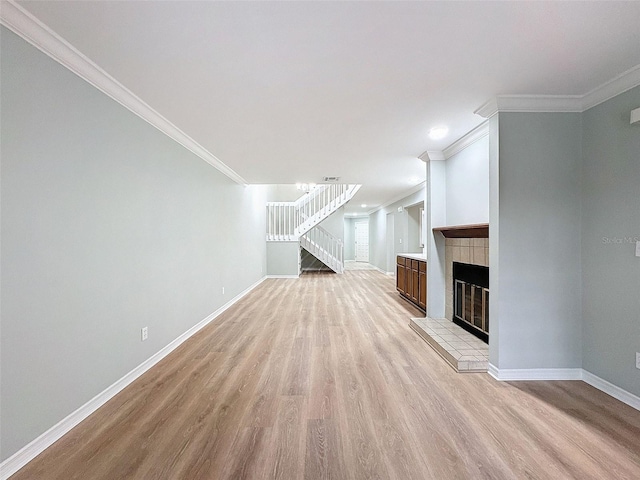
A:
(508, 375)
(512, 375)
(611, 389)
(384, 272)
(27, 453)
(27, 26)
(467, 140)
(562, 103)
(411, 191)
(611, 88)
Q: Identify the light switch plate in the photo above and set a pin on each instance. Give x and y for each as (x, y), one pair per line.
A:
(638, 248)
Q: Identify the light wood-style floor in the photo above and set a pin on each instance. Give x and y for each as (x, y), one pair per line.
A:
(322, 377)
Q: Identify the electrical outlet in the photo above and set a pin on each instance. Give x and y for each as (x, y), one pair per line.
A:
(144, 333)
(638, 360)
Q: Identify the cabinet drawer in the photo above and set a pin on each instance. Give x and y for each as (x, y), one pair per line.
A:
(400, 260)
(414, 264)
(422, 266)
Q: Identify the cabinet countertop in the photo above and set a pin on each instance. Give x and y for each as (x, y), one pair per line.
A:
(414, 256)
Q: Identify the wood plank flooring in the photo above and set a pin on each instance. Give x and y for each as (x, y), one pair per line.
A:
(322, 378)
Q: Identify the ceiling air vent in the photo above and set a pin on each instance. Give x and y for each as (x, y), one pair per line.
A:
(330, 179)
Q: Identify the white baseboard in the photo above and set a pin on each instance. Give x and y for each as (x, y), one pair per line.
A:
(510, 375)
(27, 453)
(493, 371)
(611, 389)
(282, 276)
(384, 272)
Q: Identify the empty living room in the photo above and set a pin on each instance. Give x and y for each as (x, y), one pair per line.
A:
(319, 240)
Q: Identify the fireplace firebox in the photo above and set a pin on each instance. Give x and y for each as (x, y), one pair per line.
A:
(471, 299)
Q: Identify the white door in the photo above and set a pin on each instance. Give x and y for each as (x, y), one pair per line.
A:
(362, 242)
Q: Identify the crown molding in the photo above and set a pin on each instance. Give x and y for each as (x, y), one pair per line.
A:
(411, 191)
(562, 103)
(468, 139)
(488, 109)
(617, 85)
(530, 104)
(463, 142)
(24, 24)
(432, 156)
(424, 156)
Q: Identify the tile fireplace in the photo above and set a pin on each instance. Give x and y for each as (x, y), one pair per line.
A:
(467, 284)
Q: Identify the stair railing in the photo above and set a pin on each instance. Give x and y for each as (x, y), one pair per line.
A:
(325, 247)
(287, 221)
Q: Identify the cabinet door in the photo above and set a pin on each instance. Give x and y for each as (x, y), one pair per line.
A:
(422, 289)
(408, 284)
(400, 278)
(415, 283)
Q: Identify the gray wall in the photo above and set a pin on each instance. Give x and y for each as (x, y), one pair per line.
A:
(107, 226)
(610, 227)
(539, 310)
(467, 194)
(378, 229)
(284, 193)
(413, 228)
(283, 258)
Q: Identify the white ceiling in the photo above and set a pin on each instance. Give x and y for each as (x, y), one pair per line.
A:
(286, 92)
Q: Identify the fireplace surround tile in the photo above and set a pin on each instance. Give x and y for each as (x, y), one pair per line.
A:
(462, 250)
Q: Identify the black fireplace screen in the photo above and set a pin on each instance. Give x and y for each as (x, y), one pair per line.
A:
(471, 298)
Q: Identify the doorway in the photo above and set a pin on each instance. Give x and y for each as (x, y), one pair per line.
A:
(362, 241)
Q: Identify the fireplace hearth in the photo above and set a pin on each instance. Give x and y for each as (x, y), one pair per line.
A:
(471, 298)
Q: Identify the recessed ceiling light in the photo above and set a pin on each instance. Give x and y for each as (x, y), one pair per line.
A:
(364, 205)
(436, 133)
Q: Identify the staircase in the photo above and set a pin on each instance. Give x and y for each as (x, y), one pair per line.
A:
(298, 222)
(325, 247)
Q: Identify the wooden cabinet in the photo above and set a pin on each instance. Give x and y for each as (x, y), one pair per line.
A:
(401, 275)
(411, 280)
(422, 282)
